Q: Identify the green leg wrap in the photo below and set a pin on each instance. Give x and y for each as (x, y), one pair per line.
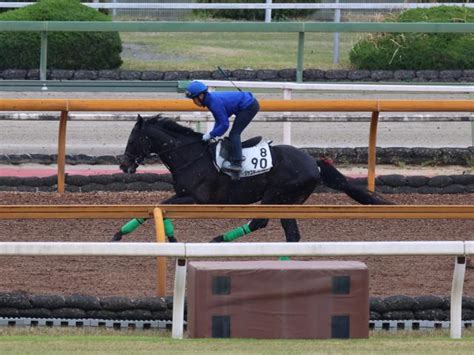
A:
(284, 258)
(169, 229)
(237, 233)
(132, 225)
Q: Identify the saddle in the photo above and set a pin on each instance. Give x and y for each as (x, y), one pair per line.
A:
(255, 151)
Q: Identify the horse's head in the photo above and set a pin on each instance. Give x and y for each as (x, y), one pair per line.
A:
(155, 135)
(138, 147)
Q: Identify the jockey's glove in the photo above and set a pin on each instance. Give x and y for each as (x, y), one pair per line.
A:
(206, 137)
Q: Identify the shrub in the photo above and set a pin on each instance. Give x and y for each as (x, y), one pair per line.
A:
(419, 51)
(255, 15)
(66, 50)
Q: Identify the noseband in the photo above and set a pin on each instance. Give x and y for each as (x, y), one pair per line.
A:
(146, 143)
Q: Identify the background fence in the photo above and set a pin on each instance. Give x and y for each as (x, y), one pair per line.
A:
(301, 28)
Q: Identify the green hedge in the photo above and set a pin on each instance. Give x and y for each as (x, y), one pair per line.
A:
(66, 50)
(419, 51)
(255, 15)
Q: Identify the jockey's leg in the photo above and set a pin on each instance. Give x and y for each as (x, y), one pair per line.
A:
(241, 121)
(238, 232)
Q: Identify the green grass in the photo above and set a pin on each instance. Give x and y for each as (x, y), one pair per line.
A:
(85, 341)
(205, 51)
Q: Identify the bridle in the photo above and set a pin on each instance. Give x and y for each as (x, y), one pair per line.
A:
(147, 144)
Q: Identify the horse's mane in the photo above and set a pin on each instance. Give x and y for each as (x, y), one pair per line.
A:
(169, 125)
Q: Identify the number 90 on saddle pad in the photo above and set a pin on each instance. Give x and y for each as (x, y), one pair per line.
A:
(256, 153)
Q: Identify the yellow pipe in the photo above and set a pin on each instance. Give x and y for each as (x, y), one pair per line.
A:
(426, 105)
(62, 151)
(233, 211)
(160, 261)
(372, 151)
(266, 105)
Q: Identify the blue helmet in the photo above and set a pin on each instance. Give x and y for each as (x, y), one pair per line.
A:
(195, 88)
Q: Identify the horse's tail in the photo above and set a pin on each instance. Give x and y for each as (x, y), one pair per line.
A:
(334, 179)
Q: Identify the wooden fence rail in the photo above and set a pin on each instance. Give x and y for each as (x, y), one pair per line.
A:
(158, 212)
(99, 105)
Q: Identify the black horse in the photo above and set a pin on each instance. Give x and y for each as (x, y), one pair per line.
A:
(293, 178)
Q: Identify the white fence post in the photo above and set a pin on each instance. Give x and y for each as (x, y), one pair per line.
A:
(287, 125)
(456, 297)
(177, 330)
(335, 44)
(114, 11)
(268, 12)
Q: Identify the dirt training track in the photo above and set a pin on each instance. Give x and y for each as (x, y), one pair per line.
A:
(134, 276)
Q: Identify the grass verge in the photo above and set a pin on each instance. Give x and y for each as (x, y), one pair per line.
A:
(186, 51)
(87, 341)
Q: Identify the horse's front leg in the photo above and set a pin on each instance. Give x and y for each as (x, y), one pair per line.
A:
(253, 225)
(133, 224)
(175, 200)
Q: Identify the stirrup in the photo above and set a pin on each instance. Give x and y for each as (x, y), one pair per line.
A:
(234, 167)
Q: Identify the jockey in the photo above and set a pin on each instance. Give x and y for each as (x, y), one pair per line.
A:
(223, 105)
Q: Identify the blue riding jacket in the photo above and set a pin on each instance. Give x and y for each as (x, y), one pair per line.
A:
(225, 104)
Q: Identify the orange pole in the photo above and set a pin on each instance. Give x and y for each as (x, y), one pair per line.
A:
(33, 105)
(426, 105)
(62, 151)
(236, 211)
(266, 105)
(372, 151)
(160, 261)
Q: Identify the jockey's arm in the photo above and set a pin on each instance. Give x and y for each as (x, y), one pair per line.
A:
(221, 124)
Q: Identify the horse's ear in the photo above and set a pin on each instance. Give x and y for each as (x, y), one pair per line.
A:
(140, 121)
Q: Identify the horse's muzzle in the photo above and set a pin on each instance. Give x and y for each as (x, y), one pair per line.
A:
(129, 168)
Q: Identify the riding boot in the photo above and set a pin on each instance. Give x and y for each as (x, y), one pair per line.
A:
(235, 165)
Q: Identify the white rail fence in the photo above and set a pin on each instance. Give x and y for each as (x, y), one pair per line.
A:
(268, 6)
(288, 88)
(182, 251)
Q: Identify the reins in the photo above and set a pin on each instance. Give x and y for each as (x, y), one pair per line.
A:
(147, 152)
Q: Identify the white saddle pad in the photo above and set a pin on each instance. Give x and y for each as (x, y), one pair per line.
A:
(258, 159)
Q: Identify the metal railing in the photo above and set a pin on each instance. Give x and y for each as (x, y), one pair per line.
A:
(268, 6)
(44, 27)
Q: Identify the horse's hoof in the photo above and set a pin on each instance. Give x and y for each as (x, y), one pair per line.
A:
(218, 239)
(117, 237)
(172, 240)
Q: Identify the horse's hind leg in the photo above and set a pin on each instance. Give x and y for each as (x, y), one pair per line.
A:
(291, 230)
(253, 225)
